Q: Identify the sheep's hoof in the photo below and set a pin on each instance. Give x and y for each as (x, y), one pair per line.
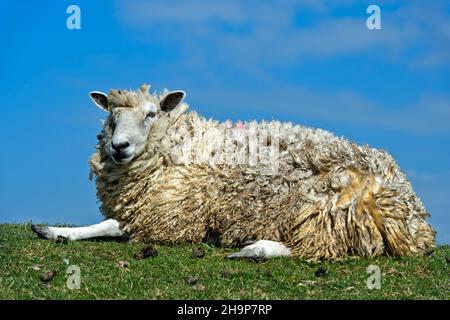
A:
(41, 231)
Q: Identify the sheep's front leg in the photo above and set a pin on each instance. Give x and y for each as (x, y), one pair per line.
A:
(107, 228)
(262, 249)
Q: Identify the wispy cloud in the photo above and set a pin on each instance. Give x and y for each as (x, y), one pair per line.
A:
(251, 35)
(257, 32)
(430, 115)
(141, 13)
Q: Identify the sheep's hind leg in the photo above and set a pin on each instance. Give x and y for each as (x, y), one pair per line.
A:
(262, 249)
(107, 228)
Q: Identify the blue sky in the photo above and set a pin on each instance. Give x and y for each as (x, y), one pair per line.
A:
(313, 62)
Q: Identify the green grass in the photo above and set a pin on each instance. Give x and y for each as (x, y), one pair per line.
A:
(164, 276)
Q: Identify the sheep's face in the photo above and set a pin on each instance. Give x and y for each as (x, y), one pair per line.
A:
(131, 116)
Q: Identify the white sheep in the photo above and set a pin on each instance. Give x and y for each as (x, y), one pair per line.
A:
(171, 176)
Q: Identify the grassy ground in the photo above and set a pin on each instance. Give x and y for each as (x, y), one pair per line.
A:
(110, 271)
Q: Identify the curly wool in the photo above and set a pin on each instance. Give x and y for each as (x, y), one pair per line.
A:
(329, 198)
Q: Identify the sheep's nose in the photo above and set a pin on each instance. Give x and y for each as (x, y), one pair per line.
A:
(119, 146)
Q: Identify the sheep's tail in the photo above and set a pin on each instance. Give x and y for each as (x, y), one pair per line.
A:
(402, 222)
(362, 219)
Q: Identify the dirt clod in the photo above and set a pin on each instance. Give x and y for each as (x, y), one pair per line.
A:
(321, 272)
(47, 276)
(198, 253)
(191, 280)
(146, 252)
(62, 240)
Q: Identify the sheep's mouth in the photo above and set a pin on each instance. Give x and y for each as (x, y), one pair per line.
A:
(122, 158)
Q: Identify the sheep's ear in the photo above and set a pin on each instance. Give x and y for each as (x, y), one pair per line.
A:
(100, 99)
(171, 100)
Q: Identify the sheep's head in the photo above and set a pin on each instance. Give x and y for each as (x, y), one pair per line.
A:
(131, 117)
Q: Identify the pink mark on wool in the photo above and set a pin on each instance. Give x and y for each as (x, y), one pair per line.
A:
(240, 125)
(228, 124)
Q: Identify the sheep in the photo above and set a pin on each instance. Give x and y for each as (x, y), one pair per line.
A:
(168, 175)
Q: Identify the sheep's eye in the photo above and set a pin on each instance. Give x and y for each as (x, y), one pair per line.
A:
(151, 115)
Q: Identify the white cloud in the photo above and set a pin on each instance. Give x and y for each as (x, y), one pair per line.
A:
(144, 13)
(252, 35)
(258, 32)
(430, 115)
